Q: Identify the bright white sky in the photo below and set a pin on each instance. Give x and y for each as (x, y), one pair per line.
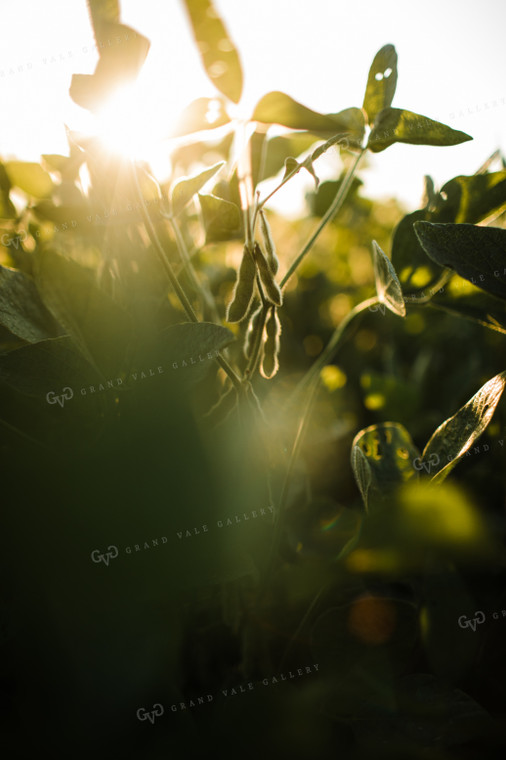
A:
(452, 61)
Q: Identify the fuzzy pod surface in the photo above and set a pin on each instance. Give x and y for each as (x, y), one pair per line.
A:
(244, 288)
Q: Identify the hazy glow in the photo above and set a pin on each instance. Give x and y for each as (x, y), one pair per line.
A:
(318, 52)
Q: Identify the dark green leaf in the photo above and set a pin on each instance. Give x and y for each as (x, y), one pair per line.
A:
(388, 286)
(381, 82)
(386, 459)
(192, 346)
(185, 188)
(474, 198)
(278, 108)
(408, 256)
(474, 304)
(47, 366)
(21, 310)
(394, 125)
(428, 714)
(222, 219)
(477, 254)
(456, 435)
(98, 326)
(217, 51)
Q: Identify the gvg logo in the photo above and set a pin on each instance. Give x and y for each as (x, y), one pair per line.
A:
(66, 394)
(8, 239)
(156, 712)
(111, 553)
(378, 307)
(479, 618)
(429, 465)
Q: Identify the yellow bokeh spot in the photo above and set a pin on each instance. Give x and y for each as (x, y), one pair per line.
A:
(414, 323)
(333, 377)
(374, 401)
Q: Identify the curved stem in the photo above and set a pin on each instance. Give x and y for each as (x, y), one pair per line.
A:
(331, 211)
(150, 228)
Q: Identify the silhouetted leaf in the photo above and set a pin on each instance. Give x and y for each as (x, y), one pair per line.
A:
(471, 199)
(47, 366)
(222, 219)
(185, 188)
(456, 435)
(29, 177)
(217, 51)
(99, 326)
(21, 309)
(192, 346)
(478, 306)
(122, 52)
(428, 714)
(381, 82)
(476, 253)
(388, 286)
(394, 125)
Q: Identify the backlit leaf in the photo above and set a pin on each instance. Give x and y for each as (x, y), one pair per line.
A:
(217, 51)
(388, 286)
(29, 177)
(381, 82)
(393, 125)
(222, 219)
(185, 188)
(456, 435)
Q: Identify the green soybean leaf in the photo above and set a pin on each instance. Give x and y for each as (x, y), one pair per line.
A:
(470, 199)
(456, 435)
(381, 82)
(185, 188)
(476, 253)
(385, 460)
(192, 347)
(222, 219)
(268, 160)
(291, 164)
(473, 304)
(29, 177)
(217, 51)
(408, 257)
(21, 309)
(7, 209)
(428, 714)
(99, 327)
(394, 125)
(278, 108)
(47, 366)
(388, 286)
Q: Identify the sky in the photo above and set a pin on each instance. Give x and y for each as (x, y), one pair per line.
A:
(452, 60)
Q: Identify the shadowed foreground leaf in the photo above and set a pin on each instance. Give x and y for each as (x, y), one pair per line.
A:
(388, 286)
(476, 253)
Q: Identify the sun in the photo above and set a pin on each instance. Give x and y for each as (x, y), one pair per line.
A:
(134, 124)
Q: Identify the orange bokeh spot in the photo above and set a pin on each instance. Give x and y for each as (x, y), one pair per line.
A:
(372, 620)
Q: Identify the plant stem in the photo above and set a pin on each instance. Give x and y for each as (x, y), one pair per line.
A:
(173, 278)
(331, 211)
(311, 378)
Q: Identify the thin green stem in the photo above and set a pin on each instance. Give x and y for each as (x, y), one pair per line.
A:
(330, 213)
(150, 228)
